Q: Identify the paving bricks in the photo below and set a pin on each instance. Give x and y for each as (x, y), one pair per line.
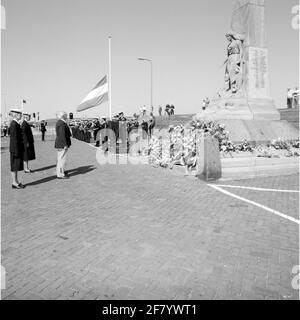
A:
(136, 232)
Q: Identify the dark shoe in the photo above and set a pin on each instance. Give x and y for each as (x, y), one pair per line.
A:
(19, 186)
(63, 178)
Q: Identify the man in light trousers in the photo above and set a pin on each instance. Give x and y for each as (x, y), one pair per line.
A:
(62, 144)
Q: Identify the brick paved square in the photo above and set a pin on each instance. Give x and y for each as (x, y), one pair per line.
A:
(136, 232)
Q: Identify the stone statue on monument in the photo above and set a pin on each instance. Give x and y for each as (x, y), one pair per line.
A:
(245, 105)
(245, 94)
(234, 64)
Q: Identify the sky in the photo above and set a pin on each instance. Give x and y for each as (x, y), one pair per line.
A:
(55, 51)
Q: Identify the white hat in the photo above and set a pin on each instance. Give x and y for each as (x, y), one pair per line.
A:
(26, 114)
(15, 110)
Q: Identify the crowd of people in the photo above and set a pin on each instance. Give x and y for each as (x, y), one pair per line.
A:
(85, 130)
(169, 110)
(81, 129)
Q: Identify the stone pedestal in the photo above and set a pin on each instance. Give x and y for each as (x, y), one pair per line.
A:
(209, 161)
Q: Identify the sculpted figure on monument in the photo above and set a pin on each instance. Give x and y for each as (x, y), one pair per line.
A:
(245, 93)
(234, 64)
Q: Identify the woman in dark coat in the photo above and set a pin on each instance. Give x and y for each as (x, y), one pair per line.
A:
(28, 141)
(16, 148)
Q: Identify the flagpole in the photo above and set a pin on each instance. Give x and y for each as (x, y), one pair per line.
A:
(109, 75)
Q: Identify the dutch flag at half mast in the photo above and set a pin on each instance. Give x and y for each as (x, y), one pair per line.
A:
(97, 96)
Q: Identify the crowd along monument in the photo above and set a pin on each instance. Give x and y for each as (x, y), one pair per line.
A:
(245, 104)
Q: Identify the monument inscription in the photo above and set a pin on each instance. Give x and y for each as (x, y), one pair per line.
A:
(258, 75)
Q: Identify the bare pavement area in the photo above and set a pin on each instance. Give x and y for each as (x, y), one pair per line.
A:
(137, 232)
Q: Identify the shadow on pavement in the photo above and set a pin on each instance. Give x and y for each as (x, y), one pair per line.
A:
(71, 173)
(80, 170)
(45, 168)
(44, 180)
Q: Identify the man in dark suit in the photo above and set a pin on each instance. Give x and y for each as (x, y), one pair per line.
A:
(62, 144)
(16, 148)
(43, 129)
(28, 141)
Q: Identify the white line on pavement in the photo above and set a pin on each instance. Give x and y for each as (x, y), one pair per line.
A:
(255, 204)
(257, 189)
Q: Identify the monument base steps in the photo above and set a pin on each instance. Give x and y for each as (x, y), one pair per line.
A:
(247, 168)
(259, 131)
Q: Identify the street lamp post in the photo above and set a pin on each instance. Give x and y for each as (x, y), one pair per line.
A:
(151, 80)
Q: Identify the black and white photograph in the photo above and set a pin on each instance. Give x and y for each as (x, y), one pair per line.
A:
(150, 152)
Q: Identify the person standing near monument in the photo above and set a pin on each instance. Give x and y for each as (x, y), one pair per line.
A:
(167, 110)
(172, 110)
(62, 144)
(16, 148)
(160, 111)
(144, 111)
(151, 124)
(296, 98)
(28, 142)
(289, 98)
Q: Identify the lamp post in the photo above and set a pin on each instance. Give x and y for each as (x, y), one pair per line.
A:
(151, 76)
